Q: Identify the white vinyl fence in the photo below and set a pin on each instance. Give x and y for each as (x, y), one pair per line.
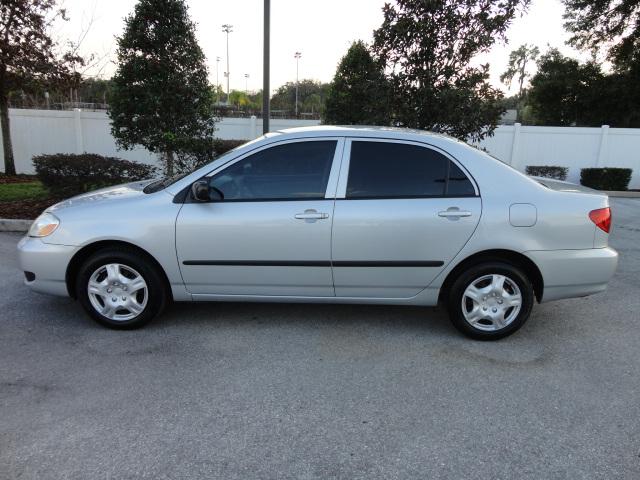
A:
(573, 147)
(35, 132)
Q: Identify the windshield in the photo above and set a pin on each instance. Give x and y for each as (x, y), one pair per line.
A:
(163, 183)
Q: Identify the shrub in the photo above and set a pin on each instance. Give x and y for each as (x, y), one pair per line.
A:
(67, 174)
(198, 152)
(223, 146)
(606, 178)
(558, 173)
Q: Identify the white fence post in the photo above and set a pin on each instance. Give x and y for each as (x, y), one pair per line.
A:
(604, 143)
(253, 127)
(77, 121)
(514, 145)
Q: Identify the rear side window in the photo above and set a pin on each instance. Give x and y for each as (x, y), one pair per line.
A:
(459, 184)
(397, 170)
(291, 171)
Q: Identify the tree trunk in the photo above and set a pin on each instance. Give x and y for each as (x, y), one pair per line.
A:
(9, 163)
(168, 163)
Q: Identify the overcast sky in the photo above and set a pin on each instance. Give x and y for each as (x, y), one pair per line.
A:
(321, 30)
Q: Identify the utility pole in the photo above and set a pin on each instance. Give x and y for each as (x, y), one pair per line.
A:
(297, 56)
(265, 66)
(217, 80)
(226, 28)
(246, 84)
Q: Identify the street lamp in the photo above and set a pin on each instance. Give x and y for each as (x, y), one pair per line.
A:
(266, 51)
(297, 56)
(218, 80)
(246, 84)
(227, 28)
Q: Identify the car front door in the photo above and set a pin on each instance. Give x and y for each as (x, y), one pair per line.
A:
(403, 211)
(270, 235)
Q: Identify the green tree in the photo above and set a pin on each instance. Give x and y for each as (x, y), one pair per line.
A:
(313, 104)
(610, 24)
(285, 97)
(429, 47)
(564, 92)
(519, 59)
(94, 90)
(161, 97)
(28, 58)
(359, 92)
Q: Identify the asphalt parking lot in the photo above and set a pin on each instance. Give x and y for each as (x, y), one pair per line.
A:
(243, 391)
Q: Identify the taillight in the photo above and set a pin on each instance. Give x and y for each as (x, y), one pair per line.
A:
(602, 218)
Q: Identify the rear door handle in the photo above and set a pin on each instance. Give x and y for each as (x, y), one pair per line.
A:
(454, 213)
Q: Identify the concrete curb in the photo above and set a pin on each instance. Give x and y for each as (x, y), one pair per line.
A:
(14, 225)
(623, 194)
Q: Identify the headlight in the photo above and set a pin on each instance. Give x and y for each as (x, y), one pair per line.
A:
(44, 225)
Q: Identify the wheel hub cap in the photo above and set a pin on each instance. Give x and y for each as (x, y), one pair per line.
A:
(491, 302)
(117, 292)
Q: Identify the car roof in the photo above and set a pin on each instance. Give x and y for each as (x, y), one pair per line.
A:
(367, 131)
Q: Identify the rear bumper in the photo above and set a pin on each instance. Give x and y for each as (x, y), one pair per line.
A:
(574, 273)
(47, 262)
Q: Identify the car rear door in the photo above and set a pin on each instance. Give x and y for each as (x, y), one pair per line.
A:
(271, 234)
(403, 211)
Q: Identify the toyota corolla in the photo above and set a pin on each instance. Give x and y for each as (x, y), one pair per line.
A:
(330, 214)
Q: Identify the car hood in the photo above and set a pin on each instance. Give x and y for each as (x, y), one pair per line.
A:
(108, 194)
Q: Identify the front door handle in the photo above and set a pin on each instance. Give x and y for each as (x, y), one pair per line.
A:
(311, 215)
(454, 213)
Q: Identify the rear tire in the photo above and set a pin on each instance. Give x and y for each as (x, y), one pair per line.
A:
(490, 300)
(121, 289)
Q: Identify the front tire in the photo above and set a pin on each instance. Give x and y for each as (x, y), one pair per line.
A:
(490, 301)
(120, 289)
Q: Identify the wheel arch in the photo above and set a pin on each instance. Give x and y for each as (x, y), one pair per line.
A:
(85, 252)
(515, 258)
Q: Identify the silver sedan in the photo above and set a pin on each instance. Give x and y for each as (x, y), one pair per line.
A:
(330, 214)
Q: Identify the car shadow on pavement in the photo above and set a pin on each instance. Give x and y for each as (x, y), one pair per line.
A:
(304, 314)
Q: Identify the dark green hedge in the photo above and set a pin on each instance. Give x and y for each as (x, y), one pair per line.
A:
(606, 178)
(223, 146)
(65, 174)
(558, 173)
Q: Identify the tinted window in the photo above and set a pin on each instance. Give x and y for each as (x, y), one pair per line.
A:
(396, 170)
(459, 184)
(379, 169)
(290, 171)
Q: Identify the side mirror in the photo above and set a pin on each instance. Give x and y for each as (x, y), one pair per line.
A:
(201, 191)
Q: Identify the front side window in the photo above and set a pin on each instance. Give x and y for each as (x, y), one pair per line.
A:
(290, 171)
(398, 170)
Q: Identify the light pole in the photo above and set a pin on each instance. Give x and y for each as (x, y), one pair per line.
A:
(265, 66)
(226, 28)
(297, 56)
(217, 80)
(246, 84)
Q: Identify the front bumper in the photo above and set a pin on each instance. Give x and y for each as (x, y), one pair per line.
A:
(47, 262)
(574, 273)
